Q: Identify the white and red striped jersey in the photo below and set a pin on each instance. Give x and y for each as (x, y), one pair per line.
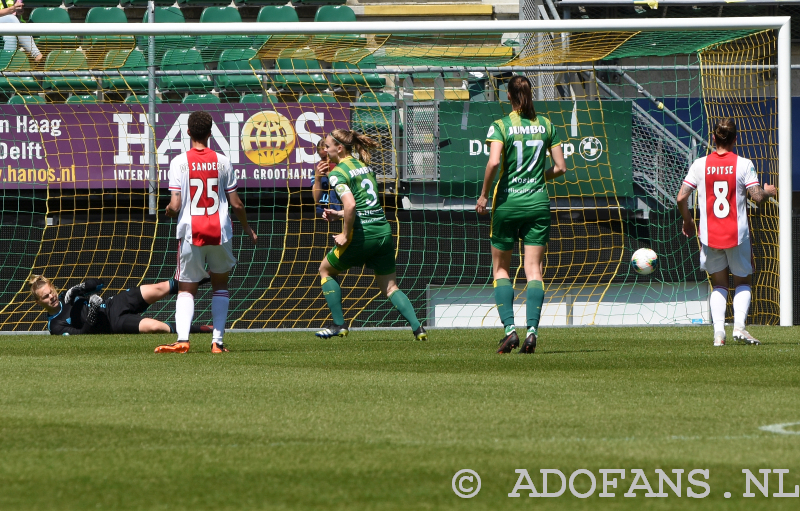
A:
(721, 183)
(203, 178)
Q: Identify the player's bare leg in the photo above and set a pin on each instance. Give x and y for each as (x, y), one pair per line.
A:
(504, 298)
(219, 310)
(153, 326)
(741, 306)
(534, 264)
(717, 303)
(333, 296)
(388, 286)
(155, 292)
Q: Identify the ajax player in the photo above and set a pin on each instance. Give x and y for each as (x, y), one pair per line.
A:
(520, 205)
(366, 237)
(721, 179)
(202, 183)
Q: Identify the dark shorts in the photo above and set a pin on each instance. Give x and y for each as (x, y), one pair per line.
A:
(124, 309)
(377, 254)
(510, 225)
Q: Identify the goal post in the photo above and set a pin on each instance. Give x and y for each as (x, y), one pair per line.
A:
(632, 100)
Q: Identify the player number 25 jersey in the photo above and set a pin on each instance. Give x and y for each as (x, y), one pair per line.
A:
(721, 183)
(203, 178)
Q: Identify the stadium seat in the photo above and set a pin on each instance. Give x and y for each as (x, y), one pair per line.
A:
(274, 14)
(82, 98)
(17, 61)
(211, 46)
(370, 117)
(96, 3)
(48, 43)
(166, 42)
(67, 60)
(259, 98)
(47, 3)
(184, 60)
(299, 82)
(159, 3)
(363, 79)
(200, 98)
(96, 46)
(140, 100)
(238, 59)
(317, 98)
(26, 100)
(334, 13)
(267, 3)
(125, 60)
(319, 2)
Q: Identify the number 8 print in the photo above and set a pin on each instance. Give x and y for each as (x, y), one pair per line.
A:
(721, 205)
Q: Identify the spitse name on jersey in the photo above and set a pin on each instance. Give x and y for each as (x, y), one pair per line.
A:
(721, 182)
(203, 177)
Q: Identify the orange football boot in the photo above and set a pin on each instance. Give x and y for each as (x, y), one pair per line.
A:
(175, 347)
(218, 348)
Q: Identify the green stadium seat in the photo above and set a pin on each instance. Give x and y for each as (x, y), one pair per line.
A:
(47, 3)
(17, 61)
(82, 98)
(238, 59)
(319, 2)
(371, 118)
(318, 98)
(184, 60)
(334, 13)
(125, 60)
(48, 43)
(165, 42)
(299, 82)
(67, 60)
(97, 46)
(211, 46)
(200, 98)
(26, 100)
(363, 79)
(263, 99)
(140, 100)
(274, 14)
(159, 3)
(95, 3)
(266, 3)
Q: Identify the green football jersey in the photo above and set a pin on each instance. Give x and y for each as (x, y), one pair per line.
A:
(352, 175)
(525, 146)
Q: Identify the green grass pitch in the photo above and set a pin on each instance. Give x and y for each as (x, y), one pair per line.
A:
(378, 421)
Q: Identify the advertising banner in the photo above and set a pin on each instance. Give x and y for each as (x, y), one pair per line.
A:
(596, 140)
(105, 146)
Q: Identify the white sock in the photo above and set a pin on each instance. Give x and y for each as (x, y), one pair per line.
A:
(718, 303)
(219, 311)
(184, 313)
(741, 305)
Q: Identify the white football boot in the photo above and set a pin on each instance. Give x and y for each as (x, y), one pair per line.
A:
(742, 335)
(719, 338)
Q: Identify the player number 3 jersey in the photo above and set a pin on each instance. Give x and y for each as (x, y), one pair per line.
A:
(203, 178)
(356, 177)
(721, 183)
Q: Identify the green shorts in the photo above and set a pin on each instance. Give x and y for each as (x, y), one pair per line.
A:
(377, 254)
(532, 226)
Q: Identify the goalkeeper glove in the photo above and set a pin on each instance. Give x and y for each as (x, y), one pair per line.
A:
(95, 304)
(82, 289)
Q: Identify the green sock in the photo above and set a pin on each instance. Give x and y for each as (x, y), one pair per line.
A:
(403, 305)
(333, 295)
(504, 298)
(535, 299)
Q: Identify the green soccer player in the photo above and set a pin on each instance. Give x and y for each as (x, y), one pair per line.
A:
(366, 237)
(520, 205)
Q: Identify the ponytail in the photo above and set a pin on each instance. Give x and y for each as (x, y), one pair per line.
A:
(37, 281)
(519, 92)
(725, 133)
(355, 142)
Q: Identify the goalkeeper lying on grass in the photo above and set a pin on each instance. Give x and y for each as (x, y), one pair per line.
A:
(81, 310)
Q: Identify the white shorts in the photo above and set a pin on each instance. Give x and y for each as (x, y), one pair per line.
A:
(739, 259)
(192, 260)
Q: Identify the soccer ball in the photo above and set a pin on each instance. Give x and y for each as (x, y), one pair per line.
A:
(644, 261)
